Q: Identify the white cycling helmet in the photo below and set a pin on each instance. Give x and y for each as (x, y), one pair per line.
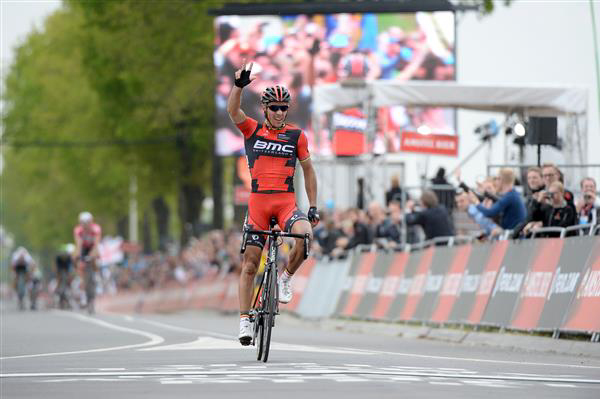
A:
(85, 217)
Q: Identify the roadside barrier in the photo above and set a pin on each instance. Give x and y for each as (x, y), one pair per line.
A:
(546, 284)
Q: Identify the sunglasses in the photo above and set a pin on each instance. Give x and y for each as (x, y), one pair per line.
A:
(276, 108)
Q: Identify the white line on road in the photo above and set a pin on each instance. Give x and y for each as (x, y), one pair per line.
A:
(374, 352)
(465, 359)
(183, 329)
(561, 385)
(474, 379)
(153, 338)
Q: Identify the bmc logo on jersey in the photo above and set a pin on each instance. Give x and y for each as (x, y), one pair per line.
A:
(273, 147)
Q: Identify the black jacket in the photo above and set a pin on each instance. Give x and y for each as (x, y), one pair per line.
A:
(434, 221)
(362, 235)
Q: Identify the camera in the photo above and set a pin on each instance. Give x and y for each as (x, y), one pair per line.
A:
(489, 195)
(466, 189)
(537, 190)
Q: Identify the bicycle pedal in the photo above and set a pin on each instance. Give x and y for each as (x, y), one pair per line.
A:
(245, 341)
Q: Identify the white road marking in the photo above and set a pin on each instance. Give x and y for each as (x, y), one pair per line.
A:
(211, 343)
(374, 352)
(113, 369)
(184, 329)
(286, 381)
(561, 385)
(444, 383)
(176, 382)
(466, 359)
(223, 365)
(324, 373)
(153, 338)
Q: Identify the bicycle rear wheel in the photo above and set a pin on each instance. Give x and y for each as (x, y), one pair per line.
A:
(90, 288)
(21, 288)
(269, 319)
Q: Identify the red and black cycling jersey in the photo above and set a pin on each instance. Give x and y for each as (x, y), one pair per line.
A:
(272, 155)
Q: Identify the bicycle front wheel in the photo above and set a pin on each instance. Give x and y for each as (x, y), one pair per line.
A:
(259, 332)
(271, 302)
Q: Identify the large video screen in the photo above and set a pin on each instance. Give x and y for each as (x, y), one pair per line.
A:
(302, 51)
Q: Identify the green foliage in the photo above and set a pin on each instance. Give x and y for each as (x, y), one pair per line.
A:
(485, 7)
(101, 71)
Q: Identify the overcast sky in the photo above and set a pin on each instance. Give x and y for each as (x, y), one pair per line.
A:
(18, 18)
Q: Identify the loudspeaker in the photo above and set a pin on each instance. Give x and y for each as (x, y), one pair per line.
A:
(542, 131)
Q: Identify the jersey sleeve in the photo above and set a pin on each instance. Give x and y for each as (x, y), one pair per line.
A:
(303, 153)
(97, 230)
(247, 127)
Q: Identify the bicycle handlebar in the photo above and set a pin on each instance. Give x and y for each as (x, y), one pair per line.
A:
(275, 234)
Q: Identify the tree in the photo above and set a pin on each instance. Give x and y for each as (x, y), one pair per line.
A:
(47, 97)
(151, 64)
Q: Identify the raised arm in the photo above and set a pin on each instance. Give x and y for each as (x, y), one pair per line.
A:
(310, 181)
(242, 78)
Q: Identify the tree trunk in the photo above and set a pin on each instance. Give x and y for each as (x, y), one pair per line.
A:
(191, 194)
(190, 203)
(162, 214)
(146, 233)
(123, 227)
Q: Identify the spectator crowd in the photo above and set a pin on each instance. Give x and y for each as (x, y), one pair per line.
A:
(494, 208)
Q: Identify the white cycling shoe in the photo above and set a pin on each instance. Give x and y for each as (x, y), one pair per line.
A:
(285, 290)
(246, 331)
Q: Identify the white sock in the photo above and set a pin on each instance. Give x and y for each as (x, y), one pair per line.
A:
(286, 276)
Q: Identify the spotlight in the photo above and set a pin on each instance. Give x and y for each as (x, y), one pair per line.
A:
(519, 129)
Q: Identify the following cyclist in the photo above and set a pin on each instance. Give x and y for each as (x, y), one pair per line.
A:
(64, 267)
(272, 149)
(22, 265)
(87, 236)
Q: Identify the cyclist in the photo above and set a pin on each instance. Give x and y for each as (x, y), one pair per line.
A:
(64, 266)
(22, 265)
(272, 149)
(87, 236)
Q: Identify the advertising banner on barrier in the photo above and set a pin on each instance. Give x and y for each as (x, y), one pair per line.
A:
(537, 283)
(390, 285)
(417, 284)
(359, 285)
(299, 283)
(355, 263)
(508, 285)
(584, 312)
(404, 284)
(434, 280)
(451, 285)
(374, 285)
(324, 287)
(567, 276)
(486, 279)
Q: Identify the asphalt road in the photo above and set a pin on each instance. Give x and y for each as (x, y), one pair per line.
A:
(53, 354)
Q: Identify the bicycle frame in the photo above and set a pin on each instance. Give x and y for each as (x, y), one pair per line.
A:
(268, 307)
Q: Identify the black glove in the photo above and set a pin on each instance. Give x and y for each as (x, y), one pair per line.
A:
(244, 79)
(313, 216)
